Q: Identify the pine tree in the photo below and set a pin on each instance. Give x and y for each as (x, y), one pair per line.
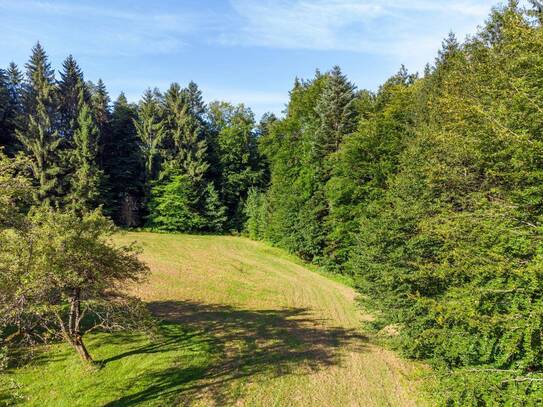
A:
(86, 180)
(184, 158)
(100, 105)
(193, 97)
(123, 165)
(150, 128)
(5, 110)
(15, 76)
(100, 102)
(70, 87)
(39, 138)
(337, 113)
(184, 132)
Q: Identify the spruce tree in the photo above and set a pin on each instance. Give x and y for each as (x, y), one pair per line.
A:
(86, 180)
(184, 158)
(39, 137)
(13, 114)
(184, 131)
(150, 129)
(123, 165)
(193, 97)
(70, 88)
(100, 105)
(337, 113)
(5, 111)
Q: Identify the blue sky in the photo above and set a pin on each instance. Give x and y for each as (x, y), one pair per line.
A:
(237, 50)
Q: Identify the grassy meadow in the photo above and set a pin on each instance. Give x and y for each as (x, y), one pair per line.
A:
(242, 324)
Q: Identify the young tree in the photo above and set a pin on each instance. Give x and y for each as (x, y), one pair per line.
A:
(214, 212)
(71, 280)
(173, 206)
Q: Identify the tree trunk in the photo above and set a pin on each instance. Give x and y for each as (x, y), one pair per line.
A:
(80, 348)
(74, 326)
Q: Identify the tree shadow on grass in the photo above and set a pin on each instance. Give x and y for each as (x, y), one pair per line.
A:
(242, 343)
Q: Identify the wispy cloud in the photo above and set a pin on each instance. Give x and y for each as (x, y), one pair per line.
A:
(105, 30)
(411, 28)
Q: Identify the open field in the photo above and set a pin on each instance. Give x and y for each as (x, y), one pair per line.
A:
(244, 325)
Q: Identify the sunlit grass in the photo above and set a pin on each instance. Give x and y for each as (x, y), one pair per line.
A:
(244, 324)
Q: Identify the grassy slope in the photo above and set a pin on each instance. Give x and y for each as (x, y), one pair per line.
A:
(245, 325)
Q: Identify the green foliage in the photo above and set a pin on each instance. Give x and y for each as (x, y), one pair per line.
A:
(15, 188)
(87, 177)
(256, 211)
(150, 130)
(70, 87)
(61, 277)
(214, 212)
(39, 138)
(236, 148)
(173, 207)
(123, 165)
(433, 205)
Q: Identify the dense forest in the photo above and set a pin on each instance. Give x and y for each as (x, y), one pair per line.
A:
(169, 162)
(427, 192)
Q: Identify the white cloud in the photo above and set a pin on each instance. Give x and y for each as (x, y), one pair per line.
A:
(103, 31)
(404, 28)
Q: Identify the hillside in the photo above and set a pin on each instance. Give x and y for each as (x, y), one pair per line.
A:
(244, 324)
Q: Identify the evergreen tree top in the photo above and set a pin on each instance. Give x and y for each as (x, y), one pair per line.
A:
(71, 72)
(39, 65)
(121, 100)
(15, 77)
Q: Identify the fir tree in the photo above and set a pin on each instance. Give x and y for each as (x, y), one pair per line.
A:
(39, 138)
(14, 117)
(5, 111)
(100, 104)
(86, 180)
(70, 88)
(150, 129)
(123, 165)
(188, 147)
(193, 97)
(337, 113)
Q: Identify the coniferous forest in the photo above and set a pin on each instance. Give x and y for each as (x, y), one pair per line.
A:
(428, 192)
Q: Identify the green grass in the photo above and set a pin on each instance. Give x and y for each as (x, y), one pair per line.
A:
(243, 324)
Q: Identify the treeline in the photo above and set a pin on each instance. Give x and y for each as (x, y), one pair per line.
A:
(169, 162)
(429, 193)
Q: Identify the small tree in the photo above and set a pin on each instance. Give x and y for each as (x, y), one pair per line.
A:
(173, 206)
(215, 211)
(62, 277)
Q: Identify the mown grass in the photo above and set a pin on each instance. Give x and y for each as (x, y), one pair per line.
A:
(243, 324)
